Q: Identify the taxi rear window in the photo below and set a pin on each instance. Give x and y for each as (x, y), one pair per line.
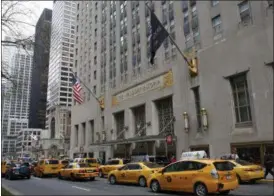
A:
(52, 162)
(242, 162)
(91, 161)
(64, 162)
(82, 165)
(152, 165)
(126, 161)
(223, 166)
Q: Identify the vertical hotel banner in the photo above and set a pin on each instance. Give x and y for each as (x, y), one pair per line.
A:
(160, 82)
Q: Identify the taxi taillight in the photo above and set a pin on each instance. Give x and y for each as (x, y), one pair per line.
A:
(82, 171)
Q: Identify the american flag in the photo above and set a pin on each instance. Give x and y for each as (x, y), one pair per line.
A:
(76, 89)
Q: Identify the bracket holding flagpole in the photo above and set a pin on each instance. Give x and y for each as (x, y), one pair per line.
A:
(192, 65)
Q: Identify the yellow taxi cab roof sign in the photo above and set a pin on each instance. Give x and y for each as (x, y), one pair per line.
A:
(192, 155)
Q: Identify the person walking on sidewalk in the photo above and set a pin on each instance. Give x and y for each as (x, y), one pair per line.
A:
(268, 163)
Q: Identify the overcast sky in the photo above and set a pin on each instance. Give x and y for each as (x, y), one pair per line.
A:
(37, 7)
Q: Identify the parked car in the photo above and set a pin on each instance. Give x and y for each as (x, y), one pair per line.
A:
(16, 170)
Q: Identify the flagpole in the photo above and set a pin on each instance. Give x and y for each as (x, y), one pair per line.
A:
(172, 40)
(90, 91)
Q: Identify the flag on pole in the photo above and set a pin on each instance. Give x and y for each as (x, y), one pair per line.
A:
(76, 90)
(158, 35)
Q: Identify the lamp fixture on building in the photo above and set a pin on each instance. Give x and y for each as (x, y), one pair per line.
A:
(204, 118)
(104, 136)
(125, 128)
(186, 121)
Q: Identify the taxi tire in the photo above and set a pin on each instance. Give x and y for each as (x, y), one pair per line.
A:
(112, 177)
(72, 177)
(198, 186)
(224, 192)
(239, 179)
(101, 175)
(144, 180)
(59, 176)
(158, 187)
(92, 179)
(28, 177)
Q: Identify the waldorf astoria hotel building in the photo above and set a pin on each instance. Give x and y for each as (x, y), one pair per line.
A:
(227, 105)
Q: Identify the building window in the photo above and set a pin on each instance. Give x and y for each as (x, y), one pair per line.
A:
(214, 3)
(244, 9)
(241, 98)
(197, 100)
(217, 24)
(94, 75)
(94, 90)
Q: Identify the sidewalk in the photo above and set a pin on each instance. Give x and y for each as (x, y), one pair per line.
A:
(269, 178)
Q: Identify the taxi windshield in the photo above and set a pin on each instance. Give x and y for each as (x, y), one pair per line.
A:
(52, 162)
(152, 165)
(242, 162)
(91, 161)
(81, 165)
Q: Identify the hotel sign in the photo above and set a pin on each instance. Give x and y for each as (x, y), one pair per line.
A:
(160, 82)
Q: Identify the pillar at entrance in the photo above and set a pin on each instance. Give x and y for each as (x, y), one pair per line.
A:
(80, 136)
(131, 124)
(154, 119)
(87, 134)
(73, 143)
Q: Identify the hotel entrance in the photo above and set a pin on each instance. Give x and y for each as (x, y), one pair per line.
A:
(253, 152)
(122, 151)
(143, 148)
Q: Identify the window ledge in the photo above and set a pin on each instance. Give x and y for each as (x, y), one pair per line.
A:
(242, 130)
(243, 125)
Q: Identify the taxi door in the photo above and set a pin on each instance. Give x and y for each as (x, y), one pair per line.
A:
(133, 172)
(68, 170)
(39, 168)
(121, 174)
(187, 172)
(170, 177)
(3, 167)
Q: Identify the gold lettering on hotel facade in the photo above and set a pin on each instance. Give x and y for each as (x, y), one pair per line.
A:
(160, 82)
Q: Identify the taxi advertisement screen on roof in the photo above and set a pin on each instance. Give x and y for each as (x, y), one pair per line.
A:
(193, 155)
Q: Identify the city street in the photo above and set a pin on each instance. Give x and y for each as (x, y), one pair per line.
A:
(54, 186)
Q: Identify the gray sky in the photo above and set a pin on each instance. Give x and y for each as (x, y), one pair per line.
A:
(37, 7)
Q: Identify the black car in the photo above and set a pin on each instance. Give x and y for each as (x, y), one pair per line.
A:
(18, 171)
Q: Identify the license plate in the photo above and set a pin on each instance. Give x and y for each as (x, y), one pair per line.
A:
(54, 168)
(228, 177)
(89, 171)
(258, 171)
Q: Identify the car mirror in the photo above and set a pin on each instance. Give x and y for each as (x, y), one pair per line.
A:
(162, 171)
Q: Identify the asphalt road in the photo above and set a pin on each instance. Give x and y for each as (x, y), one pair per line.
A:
(54, 186)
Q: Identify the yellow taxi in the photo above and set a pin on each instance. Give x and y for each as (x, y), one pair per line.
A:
(63, 163)
(136, 173)
(47, 167)
(247, 172)
(111, 165)
(195, 176)
(5, 166)
(92, 162)
(74, 171)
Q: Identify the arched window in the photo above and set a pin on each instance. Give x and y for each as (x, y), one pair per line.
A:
(52, 128)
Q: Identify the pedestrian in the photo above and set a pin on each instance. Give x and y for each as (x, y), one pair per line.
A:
(268, 163)
(173, 159)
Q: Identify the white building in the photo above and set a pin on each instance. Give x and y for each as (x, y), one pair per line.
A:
(16, 98)
(59, 93)
(233, 87)
(26, 145)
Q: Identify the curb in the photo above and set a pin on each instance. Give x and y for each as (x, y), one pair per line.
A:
(266, 181)
(11, 190)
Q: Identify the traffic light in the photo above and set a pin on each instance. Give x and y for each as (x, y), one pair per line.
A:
(193, 68)
(102, 103)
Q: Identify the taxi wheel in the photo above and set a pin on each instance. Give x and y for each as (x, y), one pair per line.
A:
(101, 175)
(200, 189)
(239, 179)
(28, 177)
(59, 176)
(112, 179)
(92, 179)
(225, 192)
(142, 181)
(155, 186)
(72, 177)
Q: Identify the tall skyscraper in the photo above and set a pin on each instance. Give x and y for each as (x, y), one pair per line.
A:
(224, 106)
(17, 96)
(59, 93)
(38, 97)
